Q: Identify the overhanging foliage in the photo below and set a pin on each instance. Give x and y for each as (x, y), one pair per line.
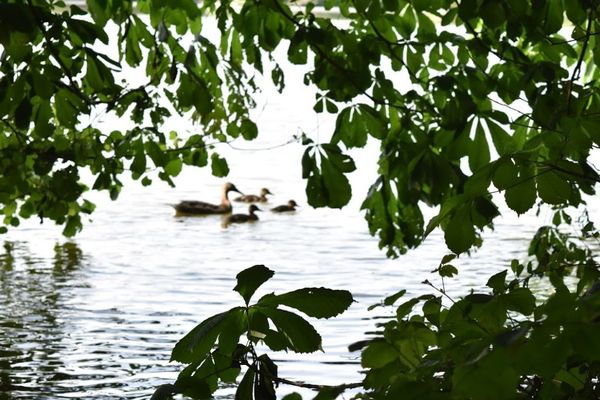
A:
(467, 99)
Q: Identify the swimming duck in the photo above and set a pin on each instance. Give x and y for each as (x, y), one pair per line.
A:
(290, 206)
(244, 217)
(252, 198)
(193, 207)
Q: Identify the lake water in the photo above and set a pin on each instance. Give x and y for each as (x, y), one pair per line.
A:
(97, 316)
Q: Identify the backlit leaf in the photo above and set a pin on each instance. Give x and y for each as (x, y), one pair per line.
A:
(174, 166)
(244, 389)
(377, 354)
(218, 165)
(301, 335)
(251, 279)
(194, 346)
(479, 154)
(314, 302)
(553, 188)
(459, 233)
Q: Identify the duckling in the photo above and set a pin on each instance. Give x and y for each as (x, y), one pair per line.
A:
(244, 217)
(193, 207)
(252, 198)
(290, 206)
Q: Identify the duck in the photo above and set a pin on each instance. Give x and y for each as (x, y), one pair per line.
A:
(193, 207)
(290, 206)
(252, 198)
(238, 218)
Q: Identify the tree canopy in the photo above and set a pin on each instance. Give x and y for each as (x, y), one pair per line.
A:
(467, 99)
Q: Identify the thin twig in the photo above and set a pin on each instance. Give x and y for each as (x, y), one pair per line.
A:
(577, 70)
(577, 39)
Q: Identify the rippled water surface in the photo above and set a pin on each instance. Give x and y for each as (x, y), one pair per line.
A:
(97, 316)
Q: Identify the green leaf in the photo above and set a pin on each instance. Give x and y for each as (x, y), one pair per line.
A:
(202, 98)
(331, 187)
(431, 310)
(244, 389)
(276, 341)
(491, 378)
(297, 51)
(447, 270)
(575, 12)
(349, 130)
(503, 142)
(520, 300)
(192, 386)
(251, 279)
(314, 302)
(390, 300)
(407, 22)
(336, 185)
(43, 86)
(195, 346)
(426, 25)
(258, 325)
(98, 11)
(155, 152)
(406, 308)
(218, 165)
(248, 129)
(173, 167)
(92, 75)
(553, 16)
(23, 114)
(292, 396)
(138, 165)
(227, 367)
(497, 282)
(329, 393)
(446, 209)
(460, 233)
(506, 174)
(301, 335)
(521, 197)
(377, 354)
(316, 192)
(232, 328)
(479, 153)
(264, 388)
(493, 14)
(355, 123)
(72, 226)
(553, 188)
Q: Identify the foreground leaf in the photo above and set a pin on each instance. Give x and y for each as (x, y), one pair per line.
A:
(195, 346)
(251, 279)
(314, 302)
(300, 334)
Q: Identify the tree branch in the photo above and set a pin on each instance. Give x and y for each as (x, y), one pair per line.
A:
(577, 70)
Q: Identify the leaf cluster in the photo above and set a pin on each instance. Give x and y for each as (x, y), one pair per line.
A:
(532, 336)
(218, 348)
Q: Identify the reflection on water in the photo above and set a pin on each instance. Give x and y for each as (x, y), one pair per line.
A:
(32, 296)
(51, 348)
